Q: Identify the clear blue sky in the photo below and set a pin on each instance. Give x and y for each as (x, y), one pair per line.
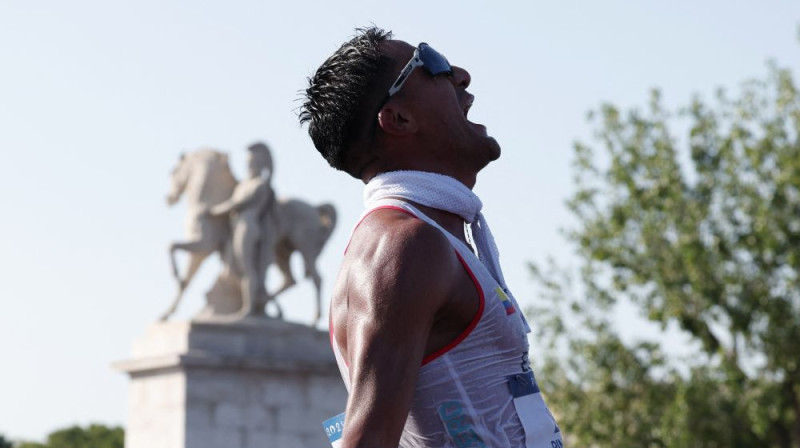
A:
(98, 99)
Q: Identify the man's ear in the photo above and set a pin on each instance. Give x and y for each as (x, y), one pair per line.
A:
(396, 120)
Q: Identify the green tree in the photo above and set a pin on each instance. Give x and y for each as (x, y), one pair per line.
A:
(5, 443)
(93, 436)
(700, 233)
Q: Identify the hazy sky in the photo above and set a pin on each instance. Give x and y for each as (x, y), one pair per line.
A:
(98, 99)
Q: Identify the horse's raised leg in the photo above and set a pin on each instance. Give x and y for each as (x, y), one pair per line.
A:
(173, 248)
(191, 246)
(195, 260)
(198, 254)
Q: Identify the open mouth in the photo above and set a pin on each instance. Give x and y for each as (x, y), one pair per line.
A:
(468, 104)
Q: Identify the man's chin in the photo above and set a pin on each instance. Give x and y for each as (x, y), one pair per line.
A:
(495, 148)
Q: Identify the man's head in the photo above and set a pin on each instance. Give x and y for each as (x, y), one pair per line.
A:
(379, 105)
(259, 159)
(338, 95)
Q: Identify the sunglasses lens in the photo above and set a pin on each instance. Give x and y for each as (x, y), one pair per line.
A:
(425, 56)
(434, 62)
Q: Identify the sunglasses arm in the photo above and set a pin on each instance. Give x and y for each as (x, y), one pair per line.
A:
(404, 74)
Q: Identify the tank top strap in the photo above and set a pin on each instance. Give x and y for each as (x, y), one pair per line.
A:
(467, 253)
(463, 249)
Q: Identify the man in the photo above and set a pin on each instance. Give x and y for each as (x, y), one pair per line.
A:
(431, 344)
(246, 207)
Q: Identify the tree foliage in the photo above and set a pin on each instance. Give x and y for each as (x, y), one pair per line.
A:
(700, 233)
(93, 436)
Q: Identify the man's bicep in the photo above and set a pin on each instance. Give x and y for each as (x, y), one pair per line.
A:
(389, 342)
(384, 356)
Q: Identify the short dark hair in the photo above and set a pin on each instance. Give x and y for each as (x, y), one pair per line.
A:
(339, 95)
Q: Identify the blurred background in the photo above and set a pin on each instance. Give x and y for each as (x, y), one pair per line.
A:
(667, 314)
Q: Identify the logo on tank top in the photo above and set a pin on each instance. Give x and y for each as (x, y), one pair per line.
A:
(459, 425)
(505, 301)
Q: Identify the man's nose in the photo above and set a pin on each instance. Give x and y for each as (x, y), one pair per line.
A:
(461, 77)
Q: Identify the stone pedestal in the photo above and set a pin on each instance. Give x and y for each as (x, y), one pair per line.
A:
(254, 383)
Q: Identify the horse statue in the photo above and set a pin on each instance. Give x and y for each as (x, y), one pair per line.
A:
(289, 225)
(204, 177)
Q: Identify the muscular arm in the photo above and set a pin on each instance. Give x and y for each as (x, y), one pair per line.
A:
(238, 200)
(225, 207)
(397, 282)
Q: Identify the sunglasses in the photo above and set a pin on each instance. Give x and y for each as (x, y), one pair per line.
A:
(425, 57)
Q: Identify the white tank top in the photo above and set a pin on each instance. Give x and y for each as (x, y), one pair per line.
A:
(463, 396)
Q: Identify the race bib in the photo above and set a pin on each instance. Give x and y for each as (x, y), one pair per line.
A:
(334, 427)
(541, 430)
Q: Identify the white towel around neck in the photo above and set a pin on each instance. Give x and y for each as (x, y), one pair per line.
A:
(444, 193)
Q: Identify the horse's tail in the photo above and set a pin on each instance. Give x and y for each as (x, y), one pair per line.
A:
(327, 221)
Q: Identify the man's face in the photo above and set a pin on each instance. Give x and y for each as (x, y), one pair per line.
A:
(440, 105)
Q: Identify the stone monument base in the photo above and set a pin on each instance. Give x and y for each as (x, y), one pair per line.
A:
(255, 382)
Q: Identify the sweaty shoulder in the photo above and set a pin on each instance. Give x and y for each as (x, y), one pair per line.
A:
(396, 260)
(398, 278)
(391, 233)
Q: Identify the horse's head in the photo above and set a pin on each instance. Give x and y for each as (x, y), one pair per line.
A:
(178, 179)
(203, 176)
